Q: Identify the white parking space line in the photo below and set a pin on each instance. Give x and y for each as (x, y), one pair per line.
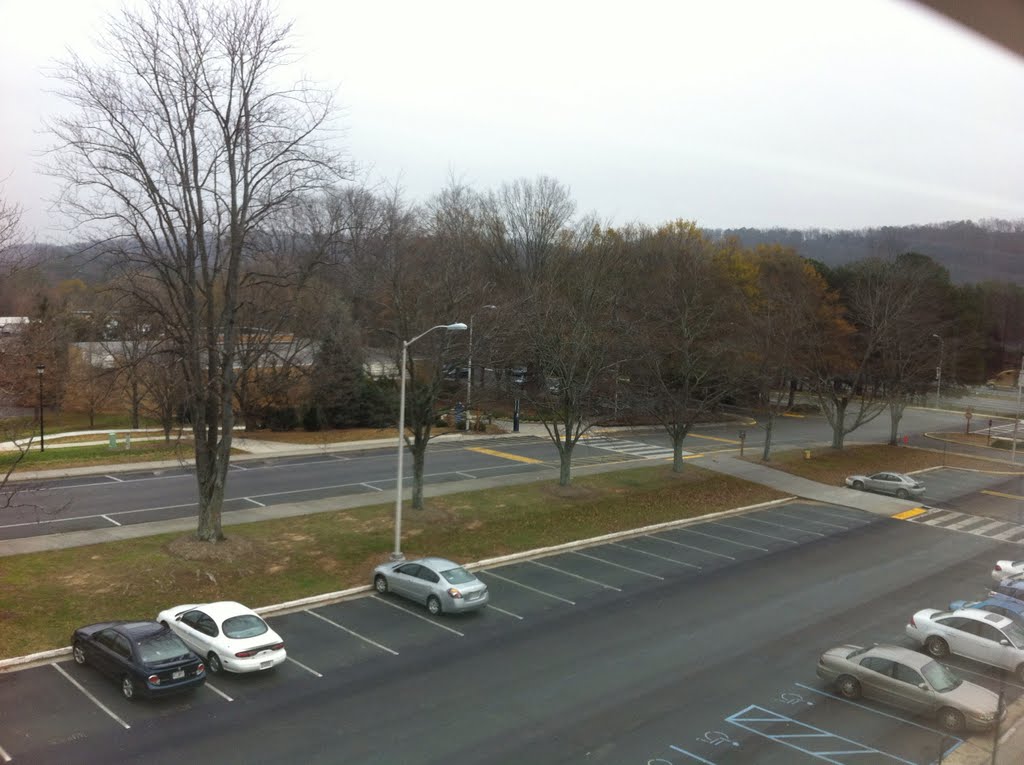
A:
(619, 565)
(413, 613)
(88, 695)
(492, 607)
(350, 632)
(575, 576)
(464, 474)
(3, 755)
(755, 533)
(308, 669)
(238, 467)
(655, 555)
(250, 499)
(528, 587)
(688, 754)
(218, 691)
(724, 539)
(108, 518)
(812, 520)
(784, 526)
(691, 547)
(876, 711)
(114, 478)
(371, 486)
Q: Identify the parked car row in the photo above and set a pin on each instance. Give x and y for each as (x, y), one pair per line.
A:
(989, 631)
(174, 652)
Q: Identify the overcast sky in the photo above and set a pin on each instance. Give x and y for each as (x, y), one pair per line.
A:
(786, 113)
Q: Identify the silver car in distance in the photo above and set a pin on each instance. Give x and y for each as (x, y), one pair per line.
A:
(911, 681)
(439, 584)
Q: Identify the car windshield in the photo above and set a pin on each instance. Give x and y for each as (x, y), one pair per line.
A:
(939, 677)
(458, 575)
(858, 652)
(244, 626)
(164, 646)
(1015, 633)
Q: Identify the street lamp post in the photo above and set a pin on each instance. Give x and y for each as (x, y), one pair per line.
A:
(469, 377)
(40, 368)
(938, 370)
(456, 327)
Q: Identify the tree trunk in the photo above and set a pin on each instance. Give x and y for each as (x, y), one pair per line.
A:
(211, 475)
(419, 459)
(895, 415)
(768, 427)
(136, 400)
(792, 395)
(839, 425)
(564, 465)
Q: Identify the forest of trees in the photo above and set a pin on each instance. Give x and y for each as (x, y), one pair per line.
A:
(235, 271)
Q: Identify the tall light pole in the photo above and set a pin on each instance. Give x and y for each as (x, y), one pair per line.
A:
(40, 368)
(456, 327)
(938, 370)
(469, 377)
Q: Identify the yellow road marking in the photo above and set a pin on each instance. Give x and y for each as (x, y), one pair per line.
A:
(792, 414)
(913, 513)
(712, 438)
(1000, 494)
(505, 455)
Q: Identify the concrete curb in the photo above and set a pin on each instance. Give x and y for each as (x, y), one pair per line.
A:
(24, 662)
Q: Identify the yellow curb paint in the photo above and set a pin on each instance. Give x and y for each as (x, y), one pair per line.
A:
(692, 456)
(1000, 494)
(505, 455)
(712, 438)
(792, 414)
(912, 513)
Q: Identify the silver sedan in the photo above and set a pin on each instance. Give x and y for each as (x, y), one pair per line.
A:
(897, 484)
(441, 585)
(909, 680)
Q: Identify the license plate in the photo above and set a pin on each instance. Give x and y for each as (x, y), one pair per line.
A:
(266, 664)
(177, 674)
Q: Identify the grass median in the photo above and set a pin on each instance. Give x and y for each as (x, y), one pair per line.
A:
(44, 596)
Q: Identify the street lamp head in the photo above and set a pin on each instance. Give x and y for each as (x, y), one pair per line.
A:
(936, 336)
(457, 327)
(40, 368)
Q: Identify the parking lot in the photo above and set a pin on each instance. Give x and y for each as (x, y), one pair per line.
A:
(62, 712)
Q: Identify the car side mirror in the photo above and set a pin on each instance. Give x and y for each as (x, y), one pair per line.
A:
(923, 686)
(1004, 641)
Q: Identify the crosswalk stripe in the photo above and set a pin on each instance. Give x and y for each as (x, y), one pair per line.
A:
(984, 530)
(1004, 535)
(968, 521)
(943, 516)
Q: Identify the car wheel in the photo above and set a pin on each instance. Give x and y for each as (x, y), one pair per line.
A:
(380, 583)
(213, 662)
(434, 605)
(858, 485)
(127, 687)
(902, 493)
(951, 720)
(937, 647)
(79, 653)
(848, 687)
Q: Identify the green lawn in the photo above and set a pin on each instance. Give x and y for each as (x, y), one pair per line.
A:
(79, 456)
(44, 596)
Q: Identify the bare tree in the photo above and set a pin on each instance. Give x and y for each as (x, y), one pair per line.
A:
(180, 148)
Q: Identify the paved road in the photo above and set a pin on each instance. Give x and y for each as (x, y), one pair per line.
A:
(127, 498)
(694, 645)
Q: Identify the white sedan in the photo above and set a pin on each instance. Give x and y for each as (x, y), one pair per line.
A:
(1004, 569)
(228, 635)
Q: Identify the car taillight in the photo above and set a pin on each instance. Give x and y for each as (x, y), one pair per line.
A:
(245, 654)
(153, 680)
(277, 647)
(200, 669)
(998, 567)
(912, 622)
(454, 593)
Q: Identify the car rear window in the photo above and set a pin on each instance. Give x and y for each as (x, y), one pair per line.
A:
(162, 647)
(244, 626)
(458, 575)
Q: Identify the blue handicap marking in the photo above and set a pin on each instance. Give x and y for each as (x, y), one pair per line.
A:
(808, 739)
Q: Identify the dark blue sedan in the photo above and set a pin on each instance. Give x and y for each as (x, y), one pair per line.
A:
(996, 604)
(146, 658)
